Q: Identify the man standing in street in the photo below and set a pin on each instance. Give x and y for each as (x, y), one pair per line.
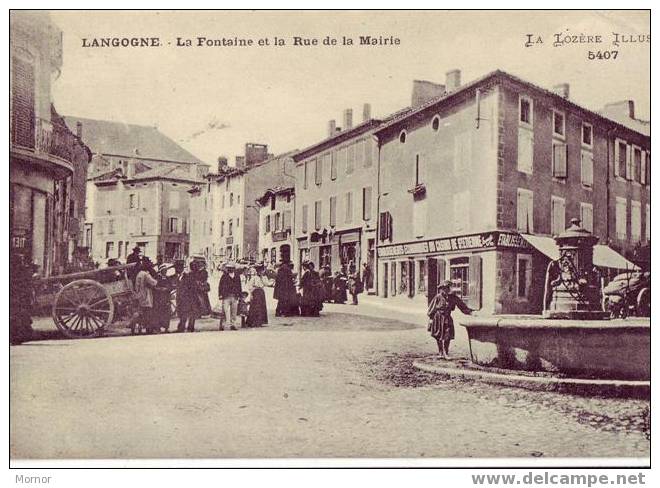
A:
(144, 285)
(229, 291)
(133, 258)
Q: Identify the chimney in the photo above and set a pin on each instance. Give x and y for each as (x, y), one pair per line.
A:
(332, 127)
(621, 110)
(348, 119)
(366, 112)
(563, 90)
(453, 79)
(240, 162)
(222, 163)
(425, 90)
(255, 153)
(79, 130)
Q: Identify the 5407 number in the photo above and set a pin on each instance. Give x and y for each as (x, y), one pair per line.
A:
(602, 55)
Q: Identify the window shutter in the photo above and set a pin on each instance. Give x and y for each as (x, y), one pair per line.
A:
(304, 217)
(648, 168)
(333, 211)
(333, 165)
(368, 154)
(366, 203)
(629, 163)
(642, 174)
(559, 160)
(287, 220)
(617, 155)
(474, 296)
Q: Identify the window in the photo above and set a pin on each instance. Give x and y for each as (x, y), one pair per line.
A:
(223, 201)
(318, 171)
(222, 228)
(523, 275)
(459, 274)
(435, 123)
(419, 217)
(278, 222)
(366, 203)
(621, 218)
(403, 135)
(109, 249)
(342, 158)
(184, 225)
(620, 158)
(559, 156)
(393, 288)
(647, 222)
(333, 165)
(231, 199)
(587, 216)
(333, 211)
(637, 165)
(305, 175)
(349, 207)
(350, 159)
(173, 224)
(304, 217)
(635, 220)
(525, 106)
(525, 211)
(587, 134)
(230, 229)
(461, 204)
(318, 214)
(133, 201)
(421, 280)
(174, 200)
(267, 224)
(647, 169)
(417, 175)
(111, 226)
(643, 170)
(462, 152)
(368, 154)
(587, 169)
(558, 124)
(327, 162)
(558, 215)
(525, 150)
(359, 153)
(403, 282)
(287, 220)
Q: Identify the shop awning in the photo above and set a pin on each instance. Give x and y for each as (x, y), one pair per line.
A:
(604, 256)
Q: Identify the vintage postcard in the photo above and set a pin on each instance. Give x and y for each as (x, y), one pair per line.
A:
(419, 236)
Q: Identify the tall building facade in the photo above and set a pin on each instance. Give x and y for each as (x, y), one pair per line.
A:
(476, 181)
(224, 213)
(47, 161)
(137, 190)
(276, 209)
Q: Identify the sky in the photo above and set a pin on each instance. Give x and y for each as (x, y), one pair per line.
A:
(212, 100)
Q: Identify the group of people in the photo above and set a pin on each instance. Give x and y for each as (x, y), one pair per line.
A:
(337, 288)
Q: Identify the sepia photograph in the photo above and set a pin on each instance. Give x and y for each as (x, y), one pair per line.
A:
(250, 235)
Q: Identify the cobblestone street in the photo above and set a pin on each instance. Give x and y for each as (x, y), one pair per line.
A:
(339, 386)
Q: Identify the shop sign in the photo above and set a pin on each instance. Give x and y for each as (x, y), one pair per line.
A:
(482, 241)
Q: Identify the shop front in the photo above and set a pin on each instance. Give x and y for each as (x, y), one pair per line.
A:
(491, 271)
(337, 250)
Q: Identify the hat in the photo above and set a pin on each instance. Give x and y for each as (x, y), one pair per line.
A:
(163, 267)
(230, 265)
(444, 284)
(137, 248)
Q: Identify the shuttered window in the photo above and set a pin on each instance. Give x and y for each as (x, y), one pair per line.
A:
(558, 217)
(350, 159)
(620, 158)
(385, 226)
(525, 150)
(525, 211)
(318, 171)
(637, 165)
(366, 203)
(368, 154)
(287, 220)
(318, 214)
(305, 212)
(587, 216)
(587, 169)
(635, 220)
(349, 207)
(333, 211)
(559, 169)
(333, 165)
(621, 217)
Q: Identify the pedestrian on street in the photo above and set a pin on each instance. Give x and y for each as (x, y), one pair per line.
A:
(354, 284)
(133, 258)
(366, 276)
(326, 280)
(229, 292)
(257, 313)
(202, 276)
(312, 299)
(441, 325)
(285, 292)
(145, 283)
(188, 300)
(162, 307)
(340, 285)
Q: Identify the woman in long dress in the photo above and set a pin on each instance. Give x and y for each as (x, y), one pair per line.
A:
(257, 313)
(285, 292)
(441, 325)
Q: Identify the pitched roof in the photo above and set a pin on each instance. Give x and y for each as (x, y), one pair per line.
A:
(639, 126)
(170, 172)
(117, 138)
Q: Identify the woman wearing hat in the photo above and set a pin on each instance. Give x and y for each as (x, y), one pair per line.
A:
(257, 313)
(441, 325)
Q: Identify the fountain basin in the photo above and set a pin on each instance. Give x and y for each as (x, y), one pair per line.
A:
(608, 349)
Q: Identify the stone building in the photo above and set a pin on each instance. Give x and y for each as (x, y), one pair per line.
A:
(137, 190)
(48, 163)
(224, 216)
(276, 208)
(336, 196)
(474, 183)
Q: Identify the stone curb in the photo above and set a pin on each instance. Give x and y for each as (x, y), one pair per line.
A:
(579, 386)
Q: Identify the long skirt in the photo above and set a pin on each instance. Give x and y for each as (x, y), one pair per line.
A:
(442, 327)
(257, 314)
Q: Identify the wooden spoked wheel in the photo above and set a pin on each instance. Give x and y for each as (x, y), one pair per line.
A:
(83, 308)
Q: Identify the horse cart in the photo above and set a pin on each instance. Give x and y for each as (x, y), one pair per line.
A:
(87, 303)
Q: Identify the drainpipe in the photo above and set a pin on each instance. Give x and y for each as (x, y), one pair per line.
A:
(377, 240)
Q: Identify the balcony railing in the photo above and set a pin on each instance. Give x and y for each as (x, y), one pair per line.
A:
(45, 137)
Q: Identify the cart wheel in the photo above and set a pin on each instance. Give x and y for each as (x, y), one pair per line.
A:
(83, 308)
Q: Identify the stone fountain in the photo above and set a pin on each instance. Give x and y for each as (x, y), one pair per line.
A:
(573, 337)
